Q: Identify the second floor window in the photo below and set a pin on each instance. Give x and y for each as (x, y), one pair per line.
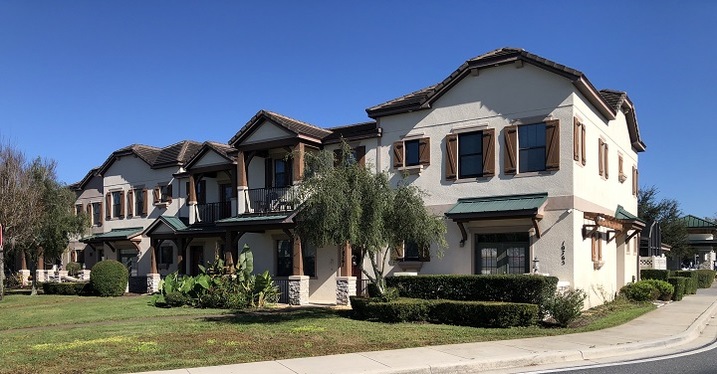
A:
(470, 154)
(531, 142)
(139, 208)
(282, 173)
(116, 204)
(96, 214)
(412, 152)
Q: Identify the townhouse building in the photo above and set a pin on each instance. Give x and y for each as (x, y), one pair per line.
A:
(534, 169)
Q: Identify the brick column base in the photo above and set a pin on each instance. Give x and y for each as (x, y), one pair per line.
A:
(24, 277)
(153, 280)
(298, 289)
(345, 287)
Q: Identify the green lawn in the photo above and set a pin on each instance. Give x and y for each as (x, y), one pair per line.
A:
(98, 335)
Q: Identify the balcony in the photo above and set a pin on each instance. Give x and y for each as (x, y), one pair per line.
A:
(210, 213)
(273, 200)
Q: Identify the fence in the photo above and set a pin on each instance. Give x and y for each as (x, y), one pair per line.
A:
(276, 199)
(210, 213)
(283, 285)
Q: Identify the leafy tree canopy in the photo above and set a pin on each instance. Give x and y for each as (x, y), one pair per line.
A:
(667, 212)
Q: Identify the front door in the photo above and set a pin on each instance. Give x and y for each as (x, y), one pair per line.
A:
(196, 258)
(502, 253)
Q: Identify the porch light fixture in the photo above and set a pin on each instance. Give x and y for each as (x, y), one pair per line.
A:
(536, 265)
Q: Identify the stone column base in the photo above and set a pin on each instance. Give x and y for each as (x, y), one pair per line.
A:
(24, 277)
(345, 287)
(153, 280)
(298, 289)
(40, 276)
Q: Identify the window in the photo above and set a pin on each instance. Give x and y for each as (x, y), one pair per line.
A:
(470, 155)
(163, 194)
(578, 141)
(530, 148)
(531, 142)
(116, 204)
(412, 251)
(280, 169)
(140, 208)
(284, 258)
(412, 152)
(97, 214)
(166, 254)
(502, 253)
(357, 155)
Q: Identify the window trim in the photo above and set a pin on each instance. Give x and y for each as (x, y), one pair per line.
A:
(520, 148)
(399, 154)
(480, 135)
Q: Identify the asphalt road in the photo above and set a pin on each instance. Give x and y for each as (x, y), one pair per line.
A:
(699, 361)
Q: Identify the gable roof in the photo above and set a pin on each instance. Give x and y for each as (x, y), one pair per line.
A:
(694, 222)
(424, 98)
(221, 149)
(292, 125)
(146, 153)
(176, 154)
(77, 186)
(355, 131)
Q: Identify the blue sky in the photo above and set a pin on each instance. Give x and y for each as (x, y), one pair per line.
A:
(80, 79)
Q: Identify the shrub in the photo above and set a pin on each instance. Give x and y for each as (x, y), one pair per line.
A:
(705, 278)
(67, 288)
(640, 291)
(691, 282)
(73, 269)
(175, 299)
(566, 307)
(109, 278)
(679, 285)
(654, 274)
(664, 288)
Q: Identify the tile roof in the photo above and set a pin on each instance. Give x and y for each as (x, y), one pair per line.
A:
(497, 204)
(176, 154)
(291, 124)
(353, 132)
(613, 98)
(693, 222)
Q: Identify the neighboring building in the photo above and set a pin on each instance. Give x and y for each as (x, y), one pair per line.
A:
(531, 165)
(702, 236)
(652, 250)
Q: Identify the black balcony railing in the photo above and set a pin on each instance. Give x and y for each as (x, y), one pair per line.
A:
(210, 213)
(270, 200)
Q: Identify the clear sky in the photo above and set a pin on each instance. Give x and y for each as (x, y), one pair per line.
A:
(80, 79)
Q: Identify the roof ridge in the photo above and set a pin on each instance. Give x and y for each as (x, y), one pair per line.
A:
(293, 119)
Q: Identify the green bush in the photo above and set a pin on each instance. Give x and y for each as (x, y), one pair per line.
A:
(705, 278)
(73, 269)
(109, 278)
(679, 285)
(176, 299)
(654, 274)
(691, 282)
(566, 307)
(640, 291)
(461, 313)
(664, 288)
(67, 288)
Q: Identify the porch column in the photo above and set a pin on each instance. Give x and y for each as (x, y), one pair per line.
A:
(180, 256)
(40, 272)
(346, 260)
(298, 163)
(153, 277)
(346, 283)
(229, 245)
(298, 282)
(242, 205)
(24, 273)
(192, 199)
(297, 256)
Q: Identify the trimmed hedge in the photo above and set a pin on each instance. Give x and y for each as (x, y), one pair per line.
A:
(640, 291)
(705, 278)
(68, 288)
(690, 283)
(665, 289)
(452, 312)
(654, 274)
(109, 278)
(679, 284)
(516, 288)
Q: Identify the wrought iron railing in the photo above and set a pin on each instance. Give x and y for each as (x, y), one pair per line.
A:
(270, 200)
(283, 285)
(210, 213)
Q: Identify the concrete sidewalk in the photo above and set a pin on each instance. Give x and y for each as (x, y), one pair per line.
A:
(669, 327)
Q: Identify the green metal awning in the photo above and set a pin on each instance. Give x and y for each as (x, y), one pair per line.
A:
(113, 235)
(622, 214)
(693, 222)
(497, 207)
(252, 219)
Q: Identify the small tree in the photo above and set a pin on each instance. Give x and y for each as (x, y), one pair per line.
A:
(667, 212)
(347, 203)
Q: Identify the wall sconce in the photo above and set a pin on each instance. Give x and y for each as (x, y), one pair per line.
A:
(536, 265)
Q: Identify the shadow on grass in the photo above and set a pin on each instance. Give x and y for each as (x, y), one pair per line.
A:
(278, 315)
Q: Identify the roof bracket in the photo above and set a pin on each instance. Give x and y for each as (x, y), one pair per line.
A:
(632, 234)
(535, 225)
(589, 230)
(614, 234)
(464, 234)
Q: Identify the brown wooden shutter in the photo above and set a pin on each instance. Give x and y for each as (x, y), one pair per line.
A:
(601, 159)
(424, 151)
(89, 210)
(108, 204)
(451, 156)
(101, 215)
(552, 145)
(397, 252)
(576, 139)
(157, 194)
(145, 206)
(606, 154)
(633, 182)
(123, 203)
(582, 144)
(620, 170)
(360, 152)
(130, 203)
(510, 152)
(268, 173)
(636, 180)
(488, 152)
(398, 154)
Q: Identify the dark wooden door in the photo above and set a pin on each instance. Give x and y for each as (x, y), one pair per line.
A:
(196, 258)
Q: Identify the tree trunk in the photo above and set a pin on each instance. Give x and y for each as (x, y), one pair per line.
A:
(33, 273)
(2, 270)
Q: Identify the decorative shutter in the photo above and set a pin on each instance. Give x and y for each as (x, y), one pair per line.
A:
(397, 252)
(552, 145)
(606, 154)
(360, 153)
(123, 203)
(145, 207)
(424, 253)
(582, 144)
(424, 151)
(488, 152)
(576, 139)
(637, 180)
(130, 203)
(397, 155)
(451, 156)
(108, 204)
(510, 152)
(101, 215)
(289, 170)
(89, 210)
(601, 159)
(157, 194)
(620, 170)
(633, 182)
(268, 173)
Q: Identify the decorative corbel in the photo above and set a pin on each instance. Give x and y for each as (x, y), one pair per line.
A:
(589, 230)
(464, 234)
